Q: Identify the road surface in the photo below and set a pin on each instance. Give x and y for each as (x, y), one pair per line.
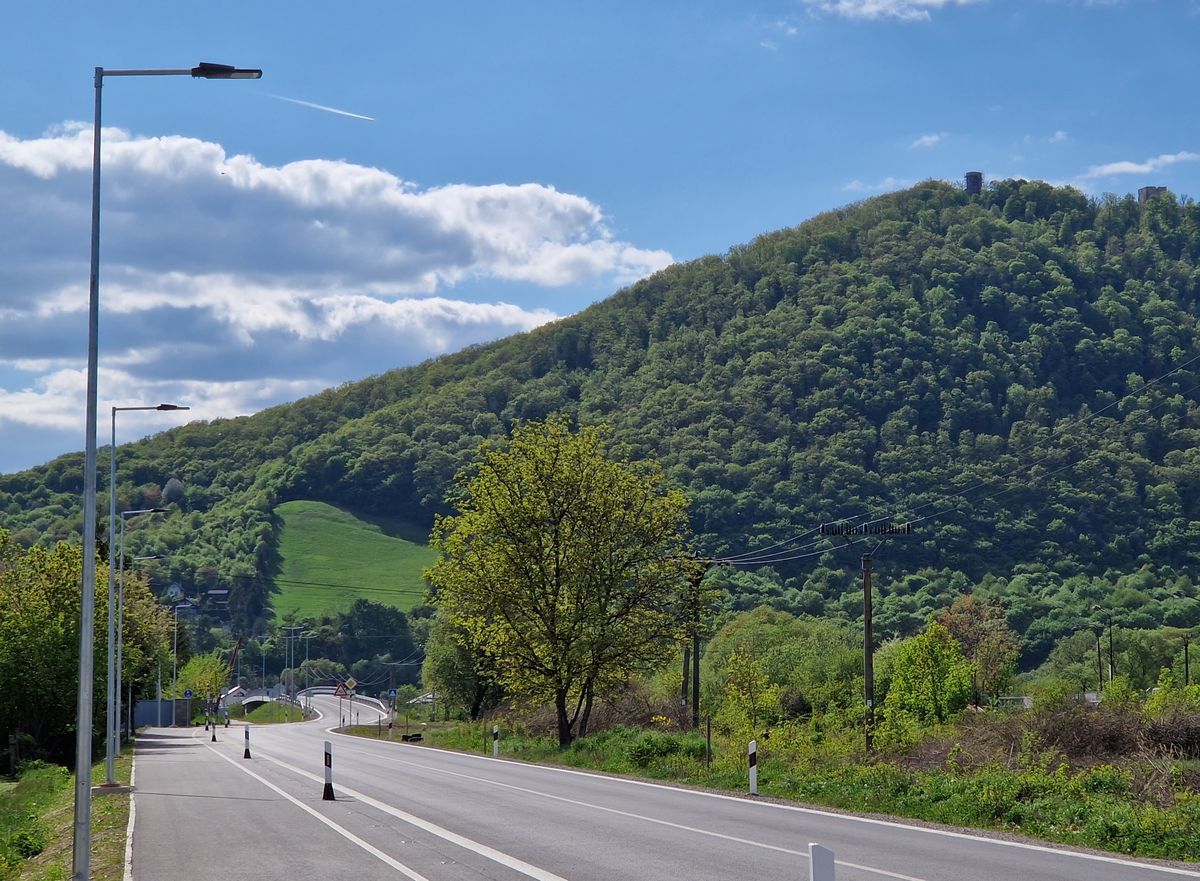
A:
(405, 811)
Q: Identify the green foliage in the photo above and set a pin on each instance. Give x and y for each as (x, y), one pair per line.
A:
(564, 567)
(750, 699)
(329, 557)
(815, 665)
(39, 641)
(877, 357)
(932, 680)
(204, 675)
(23, 833)
(461, 674)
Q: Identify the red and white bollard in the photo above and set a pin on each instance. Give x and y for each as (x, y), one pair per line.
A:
(495, 740)
(246, 754)
(328, 794)
(752, 751)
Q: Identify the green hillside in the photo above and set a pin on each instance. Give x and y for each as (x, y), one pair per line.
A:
(328, 558)
(1017, 371)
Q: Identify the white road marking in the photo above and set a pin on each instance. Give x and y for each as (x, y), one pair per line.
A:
(872, 821)
(129, 828)
(345, 833)
(583, 804)
(497, 856)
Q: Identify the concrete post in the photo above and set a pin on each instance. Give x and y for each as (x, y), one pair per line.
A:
(820, 860)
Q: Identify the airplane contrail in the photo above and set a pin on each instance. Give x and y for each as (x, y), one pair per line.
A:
(322, 107)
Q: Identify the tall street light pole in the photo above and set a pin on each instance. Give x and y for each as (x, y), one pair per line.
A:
(82, 833)
(109, 757)
(114, 729)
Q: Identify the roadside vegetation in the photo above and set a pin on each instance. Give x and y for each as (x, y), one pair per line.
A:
(36, 824)
(959, 734)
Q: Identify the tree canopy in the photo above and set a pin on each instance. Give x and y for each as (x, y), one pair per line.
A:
(564, 566)
(1016, 367)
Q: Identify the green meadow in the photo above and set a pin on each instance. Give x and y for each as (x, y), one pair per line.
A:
(330, 557)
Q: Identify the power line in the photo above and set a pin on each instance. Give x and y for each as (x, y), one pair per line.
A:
(756, 557)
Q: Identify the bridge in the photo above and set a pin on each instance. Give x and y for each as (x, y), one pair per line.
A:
(255, 698)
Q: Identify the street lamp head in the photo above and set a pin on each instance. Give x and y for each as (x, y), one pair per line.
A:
(128, 514)
(171, 407)
(209, 71)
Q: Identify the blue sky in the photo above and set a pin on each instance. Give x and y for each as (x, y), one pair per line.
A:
(521, 161)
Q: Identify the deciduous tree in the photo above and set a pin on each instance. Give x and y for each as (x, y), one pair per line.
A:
(563, 565)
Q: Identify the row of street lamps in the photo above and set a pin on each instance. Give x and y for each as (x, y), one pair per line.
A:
(81, 837)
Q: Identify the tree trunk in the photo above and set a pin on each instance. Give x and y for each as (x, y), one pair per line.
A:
(587, 711)
(564, 722)
(477, 700)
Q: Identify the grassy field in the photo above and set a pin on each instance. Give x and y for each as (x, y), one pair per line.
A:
(331, 557)
(36, 819)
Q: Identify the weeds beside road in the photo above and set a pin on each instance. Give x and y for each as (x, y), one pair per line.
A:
(36, 824)
(1041, 797)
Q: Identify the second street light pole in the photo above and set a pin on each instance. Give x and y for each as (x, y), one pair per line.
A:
(81, 835)
(112, 714)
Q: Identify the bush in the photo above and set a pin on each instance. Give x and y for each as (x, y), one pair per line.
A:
(652, 745)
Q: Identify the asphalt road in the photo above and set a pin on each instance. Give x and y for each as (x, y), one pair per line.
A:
(202, 810)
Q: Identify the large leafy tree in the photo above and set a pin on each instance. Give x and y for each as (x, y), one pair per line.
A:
(931, 680)
(39, 641)
(981, 630)
(460, 674)
(562, 565)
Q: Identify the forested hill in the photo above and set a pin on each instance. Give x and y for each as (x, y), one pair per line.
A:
(881, 358)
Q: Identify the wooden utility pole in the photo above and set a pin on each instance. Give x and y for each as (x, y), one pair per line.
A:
(694, 601)
(868, 655)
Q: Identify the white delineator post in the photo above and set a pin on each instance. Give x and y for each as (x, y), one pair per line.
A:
(820, 860)
(328, 794)
(752, 751)
(246, 754)
(495, 740)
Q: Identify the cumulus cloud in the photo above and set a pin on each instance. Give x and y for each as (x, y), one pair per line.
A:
(887, 184)
(901, 10)
(930, 140)
(1124, 166)
(1058, 137)
(232, 284)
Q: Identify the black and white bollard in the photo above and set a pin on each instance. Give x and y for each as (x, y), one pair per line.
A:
(820, 861)
(214, 731)
(246, 754)
(752, 751)
(496, 740)
(328, 795)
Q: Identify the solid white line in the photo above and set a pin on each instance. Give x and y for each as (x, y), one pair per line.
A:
(345, 833)
(1020, 845)
(668, 823)
(132, 809)
(483, 850)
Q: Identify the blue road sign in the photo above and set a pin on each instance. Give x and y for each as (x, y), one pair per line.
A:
(391, 692)
(187, 693)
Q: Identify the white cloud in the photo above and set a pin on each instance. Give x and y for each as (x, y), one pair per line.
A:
(902, 10)
(925, 141)
(1058, 137)
(1156, 163)
(887, 184)
(229, 284)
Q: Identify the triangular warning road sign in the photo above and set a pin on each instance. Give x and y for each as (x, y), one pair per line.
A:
(340, 691)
